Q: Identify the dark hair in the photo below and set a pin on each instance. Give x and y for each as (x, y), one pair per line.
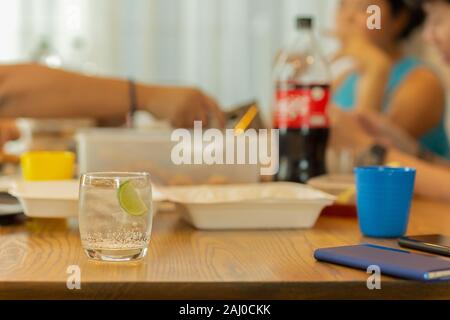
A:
(415, 13)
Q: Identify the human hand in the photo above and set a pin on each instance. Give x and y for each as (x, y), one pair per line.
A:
(182, 106)
(347, 132)
(360, 130)
(387, 133)
(8, 131)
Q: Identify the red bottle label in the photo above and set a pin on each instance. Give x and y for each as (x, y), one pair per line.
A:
(302, 106)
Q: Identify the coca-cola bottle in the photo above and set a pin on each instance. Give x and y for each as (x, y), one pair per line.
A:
(302, 92)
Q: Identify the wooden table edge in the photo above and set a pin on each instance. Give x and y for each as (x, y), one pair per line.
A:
(399, 289)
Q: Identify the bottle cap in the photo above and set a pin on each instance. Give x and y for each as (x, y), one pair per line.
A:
(304, 22)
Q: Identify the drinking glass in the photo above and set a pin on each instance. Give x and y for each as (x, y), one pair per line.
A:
(115, 215)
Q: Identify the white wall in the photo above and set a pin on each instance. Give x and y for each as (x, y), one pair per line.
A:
(10, 30)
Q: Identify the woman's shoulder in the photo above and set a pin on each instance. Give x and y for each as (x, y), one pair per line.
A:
(405, 66)
(410, 61)
(417, 102)
(420, 85)
(412, 71)
(417, 70)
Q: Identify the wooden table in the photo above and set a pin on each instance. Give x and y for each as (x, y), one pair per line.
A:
(186, 263)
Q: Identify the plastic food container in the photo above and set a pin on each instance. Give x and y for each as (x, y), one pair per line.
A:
(47, 199)
(55, 199)
(334, 184)
(150, 150)
(48, 165)
(277, 205)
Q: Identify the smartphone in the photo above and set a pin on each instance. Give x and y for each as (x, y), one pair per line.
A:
(433, 243)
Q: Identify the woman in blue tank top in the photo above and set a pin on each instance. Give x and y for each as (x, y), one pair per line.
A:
(384, 79)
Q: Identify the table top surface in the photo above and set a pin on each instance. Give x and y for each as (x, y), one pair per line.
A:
(188, 263)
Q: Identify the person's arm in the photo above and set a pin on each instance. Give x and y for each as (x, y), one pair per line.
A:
(431, 181)
(437, 160)
(40, 92)
(418, 104)
(36, 91)
(386, 132)
(350, 133)
(371, 88)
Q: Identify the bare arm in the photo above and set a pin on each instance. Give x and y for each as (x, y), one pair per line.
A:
(371, 88)
(36, 91)
(350, 132)
(431, 181)
(418, 105)
(388, 133)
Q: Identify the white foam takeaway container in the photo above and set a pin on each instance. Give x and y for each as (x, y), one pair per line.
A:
(150, 150)
(56, 199)
(275, 205)
(47, 199)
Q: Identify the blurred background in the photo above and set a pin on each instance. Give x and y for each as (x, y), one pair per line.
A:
(224, 47)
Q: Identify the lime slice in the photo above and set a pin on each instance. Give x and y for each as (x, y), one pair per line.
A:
(130, 201)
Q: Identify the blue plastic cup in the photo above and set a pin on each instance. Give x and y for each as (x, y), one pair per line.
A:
(383, 200)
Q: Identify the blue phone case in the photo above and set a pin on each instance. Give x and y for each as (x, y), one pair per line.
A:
(393, 262)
